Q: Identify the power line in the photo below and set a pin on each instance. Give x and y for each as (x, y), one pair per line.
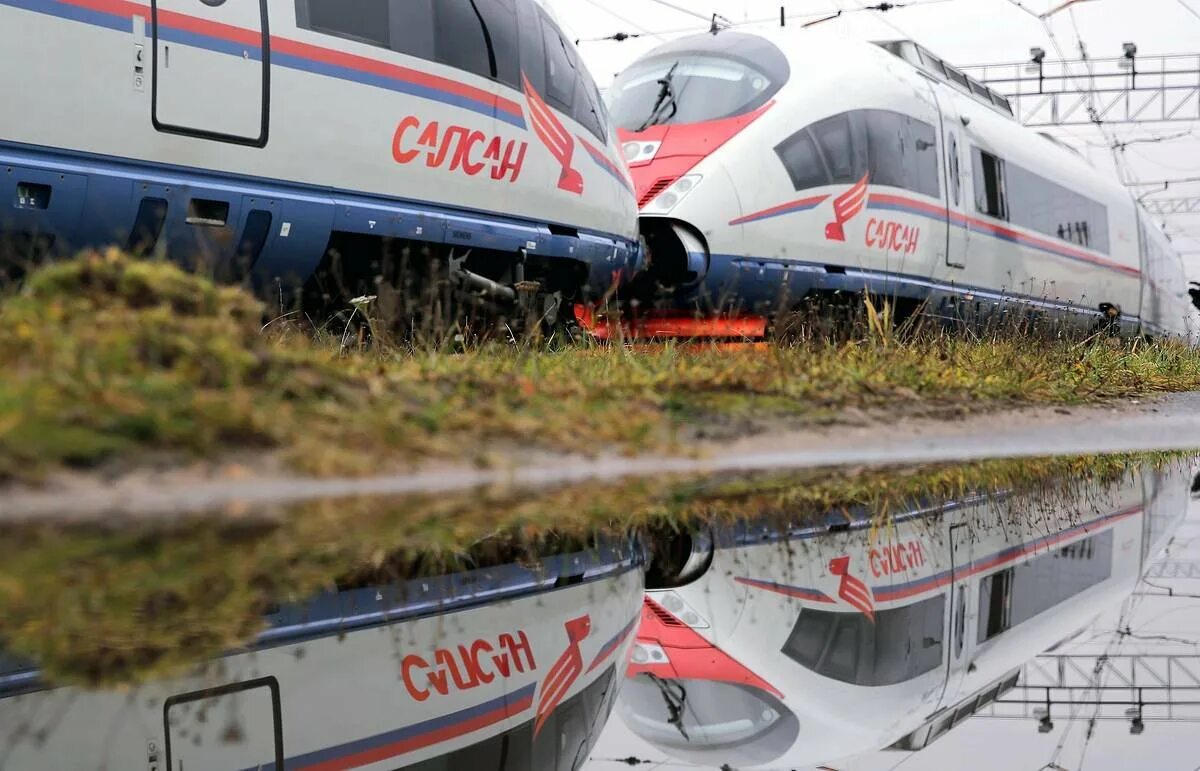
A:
(1118, 162)
(680, 9)
(621, 36)
(1189, 9)
(1062, 6)
(623, 20)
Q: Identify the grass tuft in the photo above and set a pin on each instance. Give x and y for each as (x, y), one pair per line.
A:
(111, 360)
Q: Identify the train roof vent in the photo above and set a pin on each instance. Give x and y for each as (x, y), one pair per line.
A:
(934, 66)
(664, 618)
(653, 191)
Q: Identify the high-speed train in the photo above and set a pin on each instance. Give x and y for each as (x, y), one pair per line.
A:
(791, 647)
(780, 168)
(507, 667)
(274, 138)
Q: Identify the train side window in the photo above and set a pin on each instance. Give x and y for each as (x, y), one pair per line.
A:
(922, 173)
(1019, 593)
(1055, 210)
(533, 48)
(563, 741)
(932, 62)
(899, 645)
(834, 137)
(500, 21)
(989, 184)
(957, 77)
(889, 147)
(802, 161)
(461, 39)
(842, 658)
(903, 152)
(365, 21)
(560, 69)
(412, 28)
(566, 71)
(589, 110)
(995, 604)
(806, 644)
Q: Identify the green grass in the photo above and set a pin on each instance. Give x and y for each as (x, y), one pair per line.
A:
(101, 605)
(115, 362)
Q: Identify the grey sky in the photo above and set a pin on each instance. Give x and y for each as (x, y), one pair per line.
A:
(964, 32)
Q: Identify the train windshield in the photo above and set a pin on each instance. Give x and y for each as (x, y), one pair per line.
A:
(716, 77)
(741, 724)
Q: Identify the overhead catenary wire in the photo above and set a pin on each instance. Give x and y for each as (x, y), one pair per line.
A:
(681, 9)
(1189, 9)
(881, 7)
(1119, 162)
(642, 30)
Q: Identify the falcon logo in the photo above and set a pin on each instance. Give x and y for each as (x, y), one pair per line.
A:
(852, 590)
(845, 207)
(555, 137)
(565, 671)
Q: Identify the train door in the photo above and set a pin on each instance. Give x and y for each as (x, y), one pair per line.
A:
(211, 69)
(958, 235)
(959, 615)
(956, 162)
(231, 726)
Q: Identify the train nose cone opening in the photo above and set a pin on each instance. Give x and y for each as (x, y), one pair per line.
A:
(676, 254)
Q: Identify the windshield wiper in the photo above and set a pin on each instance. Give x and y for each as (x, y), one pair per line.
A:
(675, 700)
(666, 98)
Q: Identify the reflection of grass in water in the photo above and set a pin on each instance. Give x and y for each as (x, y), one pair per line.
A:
(110, 359)
(101, 605)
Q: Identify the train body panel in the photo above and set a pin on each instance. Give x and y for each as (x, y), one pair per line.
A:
(861, 166)
(288, 109)
(806, 646)
(511, 670)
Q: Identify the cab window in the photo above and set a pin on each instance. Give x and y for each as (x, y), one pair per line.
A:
(890, 148)
(899, 645)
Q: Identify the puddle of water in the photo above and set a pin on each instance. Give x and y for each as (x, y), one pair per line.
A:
(783, 620)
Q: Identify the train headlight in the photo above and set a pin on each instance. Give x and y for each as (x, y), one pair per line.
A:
(648, 653)
(640, 152)
(668, 199)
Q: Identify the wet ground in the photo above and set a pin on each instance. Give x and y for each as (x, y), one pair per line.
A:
(1169, 422)
(771, 619)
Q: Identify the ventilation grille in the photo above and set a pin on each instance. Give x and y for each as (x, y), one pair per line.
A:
(654, 190)
(664, 618)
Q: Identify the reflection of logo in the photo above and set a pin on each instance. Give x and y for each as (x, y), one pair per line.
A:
(845, 207)
(851, 589)
(555, 137)
(565, 671)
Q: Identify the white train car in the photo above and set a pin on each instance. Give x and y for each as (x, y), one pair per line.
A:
(788, 649)
(779, 168)
(266, 136)
(509, 667)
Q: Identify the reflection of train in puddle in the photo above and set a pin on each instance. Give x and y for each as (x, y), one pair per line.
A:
(508, 667)
(796, 647)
